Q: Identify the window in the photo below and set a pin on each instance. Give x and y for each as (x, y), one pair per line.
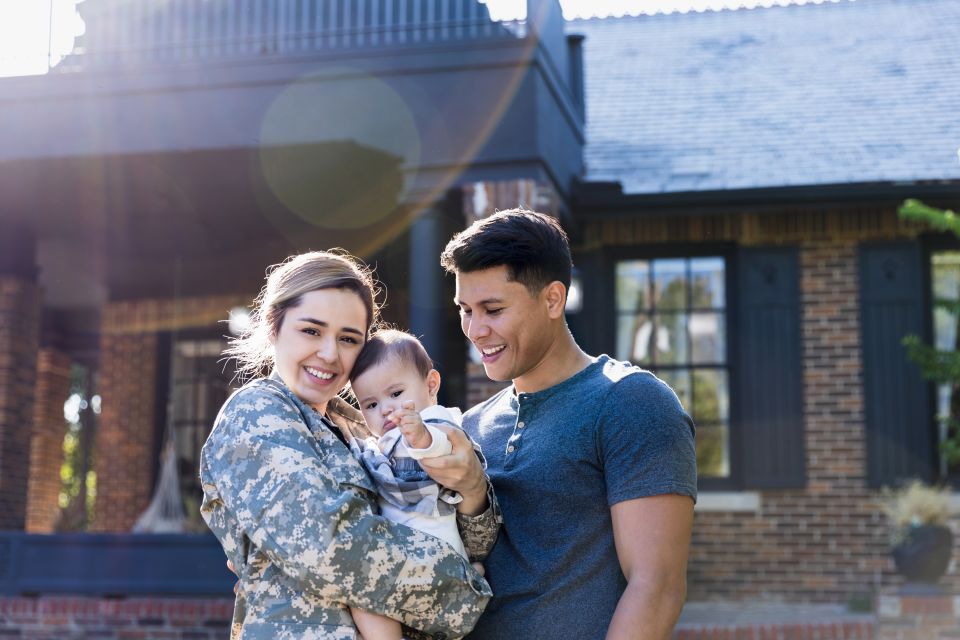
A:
(672, 320)
(200, 382)
(945, 280)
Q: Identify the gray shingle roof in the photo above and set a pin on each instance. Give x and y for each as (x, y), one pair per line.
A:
(865, 91)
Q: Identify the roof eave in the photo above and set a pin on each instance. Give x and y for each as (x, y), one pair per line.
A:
(601, 199)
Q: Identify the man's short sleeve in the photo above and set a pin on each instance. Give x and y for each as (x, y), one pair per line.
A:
(645, 440)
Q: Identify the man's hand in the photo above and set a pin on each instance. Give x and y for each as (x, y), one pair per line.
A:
(411, 425)
(460, 471)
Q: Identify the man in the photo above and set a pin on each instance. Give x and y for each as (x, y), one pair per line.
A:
(592, 459)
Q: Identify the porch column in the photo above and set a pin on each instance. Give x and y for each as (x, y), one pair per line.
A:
(427, 310)
(20, 306)
(124, 447)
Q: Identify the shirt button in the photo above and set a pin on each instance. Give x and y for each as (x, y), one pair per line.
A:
(511, 449)
(520, 425)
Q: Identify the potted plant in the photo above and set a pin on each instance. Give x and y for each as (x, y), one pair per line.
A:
(922, 543)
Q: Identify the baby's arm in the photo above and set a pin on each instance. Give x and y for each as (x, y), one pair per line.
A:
(373, 626)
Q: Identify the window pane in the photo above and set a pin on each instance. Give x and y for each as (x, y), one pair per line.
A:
(670, 284)
(679, 381)
(713, 451)
(670, 339)
(708, 342)
(634, 338)
(946, 275)
(707, 283)
(633, 286)
(711, 396)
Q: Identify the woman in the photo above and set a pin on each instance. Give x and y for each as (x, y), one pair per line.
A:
(293, 508)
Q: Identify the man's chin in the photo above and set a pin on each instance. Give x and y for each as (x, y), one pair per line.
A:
(496, 376)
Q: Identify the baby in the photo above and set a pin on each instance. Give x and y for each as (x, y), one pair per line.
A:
(396, 386)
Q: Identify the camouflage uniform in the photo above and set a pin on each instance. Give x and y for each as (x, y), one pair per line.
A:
(295, 513)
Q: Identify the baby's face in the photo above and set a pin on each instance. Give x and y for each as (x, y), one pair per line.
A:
(384, 387)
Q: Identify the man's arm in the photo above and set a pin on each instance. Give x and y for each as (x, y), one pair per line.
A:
(652, 536)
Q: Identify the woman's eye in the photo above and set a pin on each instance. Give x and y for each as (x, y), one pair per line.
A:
(311, 332)
(350, 340)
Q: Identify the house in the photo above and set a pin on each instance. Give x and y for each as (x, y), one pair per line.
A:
(738, 227)
(730, 181)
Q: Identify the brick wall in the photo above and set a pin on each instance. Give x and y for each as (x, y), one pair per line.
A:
(19, 342)
(46, 447)
(826, 542)
(65, 618)
(125, 456)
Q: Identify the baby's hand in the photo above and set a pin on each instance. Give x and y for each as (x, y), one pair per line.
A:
(411, 425)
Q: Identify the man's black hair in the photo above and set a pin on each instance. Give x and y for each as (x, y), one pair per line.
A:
(533, 246)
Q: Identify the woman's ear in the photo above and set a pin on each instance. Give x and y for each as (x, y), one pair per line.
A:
(433, 383)
(555, 295)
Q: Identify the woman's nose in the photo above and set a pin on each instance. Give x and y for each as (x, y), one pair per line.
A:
(326, 350)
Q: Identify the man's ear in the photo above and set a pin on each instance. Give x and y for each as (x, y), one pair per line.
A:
(555, 295)
(433, 383)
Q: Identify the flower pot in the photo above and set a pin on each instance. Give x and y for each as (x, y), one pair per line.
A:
(924, 553)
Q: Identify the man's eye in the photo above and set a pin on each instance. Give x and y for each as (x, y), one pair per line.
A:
(494, 312)
(464, 312)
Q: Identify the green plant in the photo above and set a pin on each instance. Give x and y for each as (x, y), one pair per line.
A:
(916, 504)
(937, 365)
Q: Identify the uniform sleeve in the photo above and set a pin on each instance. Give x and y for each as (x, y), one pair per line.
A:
(646, 441)
(479, 532)
(319, 529)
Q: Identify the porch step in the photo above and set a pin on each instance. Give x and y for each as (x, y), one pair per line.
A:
(772, 621)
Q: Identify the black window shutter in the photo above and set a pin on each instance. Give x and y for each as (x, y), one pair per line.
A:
(898, 419)
(770, 369)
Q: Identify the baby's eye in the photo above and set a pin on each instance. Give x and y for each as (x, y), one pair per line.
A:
(370, 405)
(396, 394)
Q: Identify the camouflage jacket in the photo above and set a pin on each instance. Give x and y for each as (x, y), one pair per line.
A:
(295, 514)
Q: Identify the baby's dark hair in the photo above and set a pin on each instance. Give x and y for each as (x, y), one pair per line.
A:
(392, 343)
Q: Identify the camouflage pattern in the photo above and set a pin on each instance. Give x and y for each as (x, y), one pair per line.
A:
(295, 514)
(479, 533)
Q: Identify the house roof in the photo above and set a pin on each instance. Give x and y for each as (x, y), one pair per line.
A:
(840, 92)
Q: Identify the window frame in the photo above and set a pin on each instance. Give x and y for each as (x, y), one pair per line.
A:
(607, 344)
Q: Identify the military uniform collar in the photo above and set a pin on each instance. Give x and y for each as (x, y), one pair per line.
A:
(339, 411)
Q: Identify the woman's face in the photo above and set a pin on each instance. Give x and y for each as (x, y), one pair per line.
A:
(318, 342)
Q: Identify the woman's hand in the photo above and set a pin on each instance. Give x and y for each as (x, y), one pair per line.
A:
(460, 471)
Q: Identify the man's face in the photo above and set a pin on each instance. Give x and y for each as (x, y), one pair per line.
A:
(510, 327)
